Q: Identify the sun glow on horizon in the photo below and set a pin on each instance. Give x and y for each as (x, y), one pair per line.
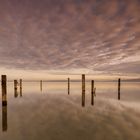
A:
(74, 74)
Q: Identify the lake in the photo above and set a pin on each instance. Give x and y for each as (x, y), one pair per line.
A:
(49, 113)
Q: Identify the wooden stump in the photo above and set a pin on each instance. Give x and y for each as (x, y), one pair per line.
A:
(92, 92)
(4, 90)
(15, 88)
(119, 88)
(83, 90)
(68, 86)
(20, 84)
(41, 85)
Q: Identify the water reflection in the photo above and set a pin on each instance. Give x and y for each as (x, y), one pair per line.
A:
(53, 88)
(16, 93)
(20, 92)
(4, 118)
(17, 88)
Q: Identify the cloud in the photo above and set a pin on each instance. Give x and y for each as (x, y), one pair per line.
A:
(69, 34)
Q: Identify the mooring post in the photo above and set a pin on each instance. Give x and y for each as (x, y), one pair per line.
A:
(4, 90)
(15, 84)
(4, 102)
(92, 92)
(20, 84)
(83, 90)
(15, 88)
(119, 88)
(41, 85)
(68, 86)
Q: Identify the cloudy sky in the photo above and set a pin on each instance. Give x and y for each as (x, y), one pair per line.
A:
(41, 38)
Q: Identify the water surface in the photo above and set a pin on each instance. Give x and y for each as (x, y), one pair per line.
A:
(50, 113)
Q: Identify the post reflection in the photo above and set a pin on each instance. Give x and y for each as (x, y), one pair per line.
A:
(16, 93)
(17, 88)
(20, 92)
(4, 118)
(93, 94)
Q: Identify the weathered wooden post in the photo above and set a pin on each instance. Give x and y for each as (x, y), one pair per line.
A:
(40, 85)
(20, 84)
(4, 118)
(119, 87)
(83, 90)
(68, 86)
(4, 90)
(92, 92)
(4, 102)
(15, 88)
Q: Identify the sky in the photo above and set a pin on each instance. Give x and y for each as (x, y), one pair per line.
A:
(53, 39)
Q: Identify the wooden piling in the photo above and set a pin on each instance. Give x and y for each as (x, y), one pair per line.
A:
(20, 84)
(92, 92)
(4, 90)
(41, 85)
(4, 102)
(68, 86)
(15, 88)
(83, 90)
(119, 87)
(15, 84)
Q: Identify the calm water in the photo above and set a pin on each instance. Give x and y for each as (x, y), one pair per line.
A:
(49, 113)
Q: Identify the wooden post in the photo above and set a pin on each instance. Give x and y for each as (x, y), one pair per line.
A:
(15, 88)
(40, 85)
(83, 90)
(119, 87)
(68, 86)
(20, 83)
(15, 84)
(92, 92)
(4, 118)
(4, 102)
(4, 90)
